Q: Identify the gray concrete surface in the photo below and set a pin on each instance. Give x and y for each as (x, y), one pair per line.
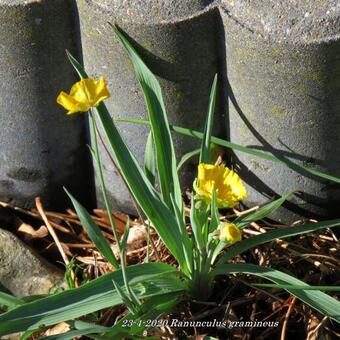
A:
(178, 41)
(283, 68)
(41, 148)
(278, 62)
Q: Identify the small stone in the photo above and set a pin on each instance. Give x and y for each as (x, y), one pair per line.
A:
(22, 271)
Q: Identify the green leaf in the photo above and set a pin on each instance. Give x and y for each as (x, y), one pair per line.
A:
(77, 333)
(124, 297)
(186, 158)
(81, 329)
(94, 232)
(272, 235)
(134, 301)
(161, 217)
(148, 280)
(205, 147)
(320, 301)
(285, 286)
(261, 154)
(99, 173)
(150, 160)
(152, 309)
(185, 240)
(77, 66)
(262, 212)
(198, 218)
(28, 334)
(9, 301)
(165, 153)
(215, 216)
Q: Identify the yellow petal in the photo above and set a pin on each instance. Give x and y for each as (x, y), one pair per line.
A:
(101, 92)
(228, 185)
(70, 104)
(80, 93)
(230, 233)
(84, 94)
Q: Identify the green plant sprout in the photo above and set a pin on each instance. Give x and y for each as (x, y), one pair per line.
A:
(150, 290)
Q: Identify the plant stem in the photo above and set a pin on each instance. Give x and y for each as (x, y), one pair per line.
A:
(93, 131)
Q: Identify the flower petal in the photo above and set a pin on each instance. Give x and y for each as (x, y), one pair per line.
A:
(228, 185)
(80, 92)
(70, 104)
(101, 92)
(229, 232)
(84, 94)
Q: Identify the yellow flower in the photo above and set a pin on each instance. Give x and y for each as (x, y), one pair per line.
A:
(229, 232)
(84, 94)
(228, 185)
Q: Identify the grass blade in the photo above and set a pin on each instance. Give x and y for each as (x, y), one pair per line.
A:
(77, 333)
(205, 147)
(320, 301)
(148, 280)
(94, 232)
(285, 286)
(157, 212)
(165, 153)
(152, 309)
(198, 219)
(262, 212)
(150, 167)
(186, 158)
(9, 301)
(215, 216)
(272, 235)
(261, 154)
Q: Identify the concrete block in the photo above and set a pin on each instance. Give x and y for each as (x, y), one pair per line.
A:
(41, 148)
(283, 68)
(178, 41)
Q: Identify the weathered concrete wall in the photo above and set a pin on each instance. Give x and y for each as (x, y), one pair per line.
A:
(178, 41)
(41, 149)
(283, 68)
(278, 62)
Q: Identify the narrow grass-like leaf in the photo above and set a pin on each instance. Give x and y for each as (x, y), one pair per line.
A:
(147, 280)
(286, 286)
(150, 160)
(131, 295)
(262, 212)
(186, 157)
(215, 216)
(185, 240)
(76, 65)
(206, 141)
(9, 301)
(100, 175)
(248, 150)
(272, 235)
(28, 334)
(124, 297)
(320, 301)
(94, 232)
(77, 333)
(157, 212)
(151, 310)
(166, 159)
(198, 218)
